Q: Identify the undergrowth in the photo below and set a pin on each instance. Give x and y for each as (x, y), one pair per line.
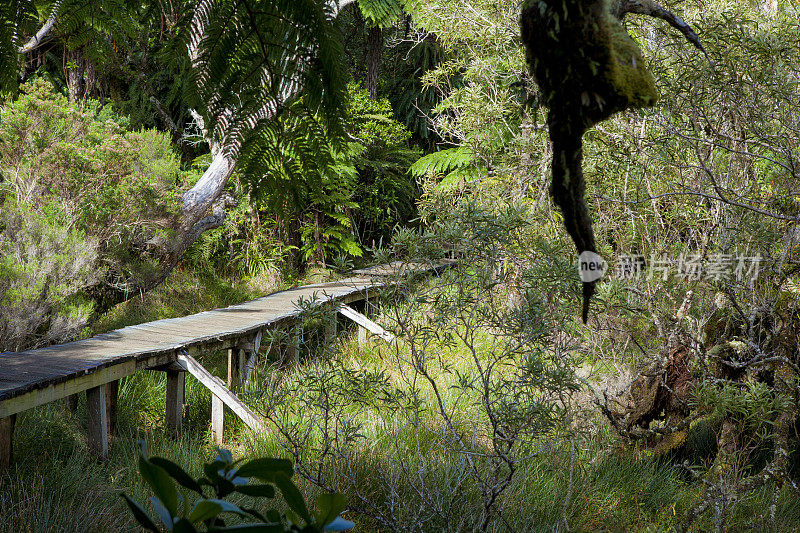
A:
(588, 483)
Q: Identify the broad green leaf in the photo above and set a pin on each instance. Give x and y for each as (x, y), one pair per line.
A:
(211, 470)
(203, 510)
(292, 495)
(265, 468)
(224, 455)
(177, 473)
(227, 507)
(330, 505)
(162, 484)
(163, 513)
(140, 515)
(251, 528)
(184, 526)
(339, 524)
(257, 491)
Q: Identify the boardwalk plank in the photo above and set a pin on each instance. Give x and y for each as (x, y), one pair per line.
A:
(31, 378)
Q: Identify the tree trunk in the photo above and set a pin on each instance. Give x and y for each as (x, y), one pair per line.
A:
(80, 75)
(373, 60)
(202, 208)
(73, 74)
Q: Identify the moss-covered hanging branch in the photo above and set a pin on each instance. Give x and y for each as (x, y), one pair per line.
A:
(588, 68)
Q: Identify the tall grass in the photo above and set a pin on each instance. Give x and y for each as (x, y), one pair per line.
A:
(393, 468)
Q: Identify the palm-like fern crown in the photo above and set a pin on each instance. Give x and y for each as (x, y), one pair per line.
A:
(250, 59)
(381, 13)
(101, 28)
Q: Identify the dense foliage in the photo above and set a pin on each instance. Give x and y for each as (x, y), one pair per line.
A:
(223, 477)
(86, 205)
(317, 134)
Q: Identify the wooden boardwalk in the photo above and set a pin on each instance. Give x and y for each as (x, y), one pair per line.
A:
(32, 378)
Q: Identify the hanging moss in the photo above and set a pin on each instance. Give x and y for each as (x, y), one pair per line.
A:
(581, 55)
(588, 68)
(626, 71)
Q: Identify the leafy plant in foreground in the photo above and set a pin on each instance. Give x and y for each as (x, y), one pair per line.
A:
(225, 477)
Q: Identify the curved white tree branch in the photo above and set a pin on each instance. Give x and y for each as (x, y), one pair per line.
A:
(226, 141)
(338, 6)
(43, 32)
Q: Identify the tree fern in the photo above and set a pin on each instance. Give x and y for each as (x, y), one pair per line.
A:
(443, 162)
(253, 58)
(455, 166)
(16, 17)
(381, 13)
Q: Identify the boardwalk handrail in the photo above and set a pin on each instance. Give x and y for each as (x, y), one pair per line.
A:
(218, 389)
(36, 377)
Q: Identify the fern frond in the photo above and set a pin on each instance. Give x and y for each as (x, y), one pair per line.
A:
(254, 58)
(443, 162)
(381, 13)
(16, 18)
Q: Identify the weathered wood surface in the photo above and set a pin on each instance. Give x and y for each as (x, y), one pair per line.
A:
(222, 394)
(399, 268)
(35, 377)
(7, 440)
(176, 390)
(38, 370)
(97, 414)
(365, 323)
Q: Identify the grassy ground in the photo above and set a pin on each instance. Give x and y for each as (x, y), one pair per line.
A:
(188, 291)
(389, 467)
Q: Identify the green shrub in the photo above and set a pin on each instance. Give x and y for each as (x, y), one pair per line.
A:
(44, 268)
(86, 209)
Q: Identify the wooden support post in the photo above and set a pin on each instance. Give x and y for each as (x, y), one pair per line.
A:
(219, 392)
(363, 333)
(112, 393)
(250, 359)
(217, 419)
(176, 387)
(236, 366)
(7, 440)
(295, 340)
(72, 403)
(97, 421)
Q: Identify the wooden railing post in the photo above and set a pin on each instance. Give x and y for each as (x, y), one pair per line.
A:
(365, 325)
(217, 419)
(7, 440)
(250, 351)
(97, 421)
(72, 403)
(220, 394)
(363, 335)
(176, 388)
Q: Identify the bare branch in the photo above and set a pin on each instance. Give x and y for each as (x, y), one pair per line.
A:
(651, 9)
